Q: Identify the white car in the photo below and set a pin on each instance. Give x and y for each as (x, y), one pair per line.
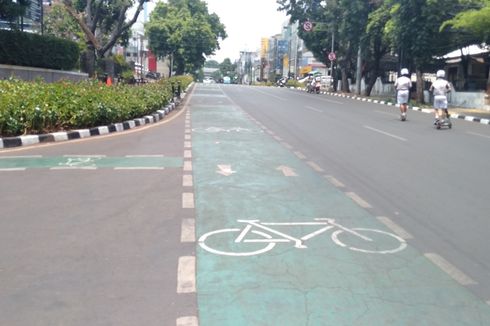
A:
(208, 80)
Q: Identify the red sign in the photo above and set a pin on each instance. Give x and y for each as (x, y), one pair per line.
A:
(332, 56)
(307, 26)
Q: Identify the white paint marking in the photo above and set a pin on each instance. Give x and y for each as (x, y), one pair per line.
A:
(315, 166)
(450, 269)
(187, 181)
(152, 168)
(334, 181)
(187, 200)
(74, 168)
(278, 138)
(477, 134)
(187, 166)
(187, 321)
(314, 109)
(398, 230)
(359, 201)
(187, 144)
(15, 157)
(300, 155)
(488, 302)
(82, 155)
(225, 170)
(188, 230)
(187, 137)
(143, 156)
(187, 154)
(186, 275)
(12, 169)
(187, 131)
(385, 133)
(286, 145)
(287, 171)
(332, 101)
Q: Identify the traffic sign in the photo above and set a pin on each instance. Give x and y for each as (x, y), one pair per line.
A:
(308, 26)
(332, 56)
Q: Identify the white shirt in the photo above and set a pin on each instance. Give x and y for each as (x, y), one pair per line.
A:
(440, 87)
(403, 83)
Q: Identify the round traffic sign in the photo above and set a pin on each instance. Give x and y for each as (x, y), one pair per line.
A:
(332, 56)
(307, 26)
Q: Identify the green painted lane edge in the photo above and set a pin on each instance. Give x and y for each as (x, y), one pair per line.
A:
(324, 284)
(85, 162)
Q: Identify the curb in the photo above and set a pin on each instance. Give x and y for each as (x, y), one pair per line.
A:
(414, 108)
(26, 140)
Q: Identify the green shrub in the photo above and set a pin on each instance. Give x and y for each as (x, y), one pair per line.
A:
(32, 50)
(38, 107)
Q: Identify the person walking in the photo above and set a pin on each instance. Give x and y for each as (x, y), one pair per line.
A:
(402, 86)
(440, 88)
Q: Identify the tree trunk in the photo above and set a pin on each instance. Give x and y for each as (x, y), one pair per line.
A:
(420, 87)
(87, 61)
(345, 82)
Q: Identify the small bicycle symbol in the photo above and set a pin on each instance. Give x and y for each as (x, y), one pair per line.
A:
(261, 232)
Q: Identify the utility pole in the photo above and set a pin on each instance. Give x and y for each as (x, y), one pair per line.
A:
(358, 71)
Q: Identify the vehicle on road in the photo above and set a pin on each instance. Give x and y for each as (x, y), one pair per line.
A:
(208, 80)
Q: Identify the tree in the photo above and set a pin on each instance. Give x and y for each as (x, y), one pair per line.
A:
(10, 11)
(419, 50)
(186, 32)
(103, 23)
(57, 22)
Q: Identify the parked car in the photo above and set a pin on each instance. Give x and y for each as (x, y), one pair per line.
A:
(208, 80)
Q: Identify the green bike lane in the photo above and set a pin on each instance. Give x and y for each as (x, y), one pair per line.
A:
(238, 176)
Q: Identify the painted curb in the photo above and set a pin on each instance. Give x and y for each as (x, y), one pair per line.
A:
(26, 140)
(414, 108)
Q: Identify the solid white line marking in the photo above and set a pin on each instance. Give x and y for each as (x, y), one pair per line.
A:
(359, 201)
(398, 230)
(12, 169)
(315, 166)
(25, 156)
(477, 134)
(187, 321)
(188, 232)
(385, 133)
(300, 155)
(82, 155)
(450, 269)
(187, 200)
(143, 156)
(314, 109)
(186, 275)
(335, 181)
(129, 168)
(187, 180)
(187, 166)
(187, 154)
(74, 168)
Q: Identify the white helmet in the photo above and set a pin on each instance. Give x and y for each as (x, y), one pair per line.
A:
(404, 71)
(440, 73)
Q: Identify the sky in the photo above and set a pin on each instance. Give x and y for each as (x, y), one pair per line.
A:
(246, 22)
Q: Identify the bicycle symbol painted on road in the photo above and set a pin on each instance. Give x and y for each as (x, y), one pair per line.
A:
(74, 162)
(258, 237)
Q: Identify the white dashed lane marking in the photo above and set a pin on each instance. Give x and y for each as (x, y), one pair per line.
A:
(186, 275)
(187, 321)
(450, 269)
(187, 200)
(361, 202)
(188, 232)
(398, 230)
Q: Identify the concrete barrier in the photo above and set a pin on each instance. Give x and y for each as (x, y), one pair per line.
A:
(32, 73)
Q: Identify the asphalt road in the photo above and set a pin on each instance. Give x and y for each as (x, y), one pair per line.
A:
(90, 231)
(103, 231)
(433, 183)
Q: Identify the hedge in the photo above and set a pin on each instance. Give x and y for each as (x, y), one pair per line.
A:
(38, 107)
(33, 50)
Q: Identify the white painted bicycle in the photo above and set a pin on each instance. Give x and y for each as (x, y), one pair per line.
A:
(251, 239)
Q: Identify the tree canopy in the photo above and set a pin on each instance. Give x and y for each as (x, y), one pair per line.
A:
(185, 31)
(10, 11)
(103, 23)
